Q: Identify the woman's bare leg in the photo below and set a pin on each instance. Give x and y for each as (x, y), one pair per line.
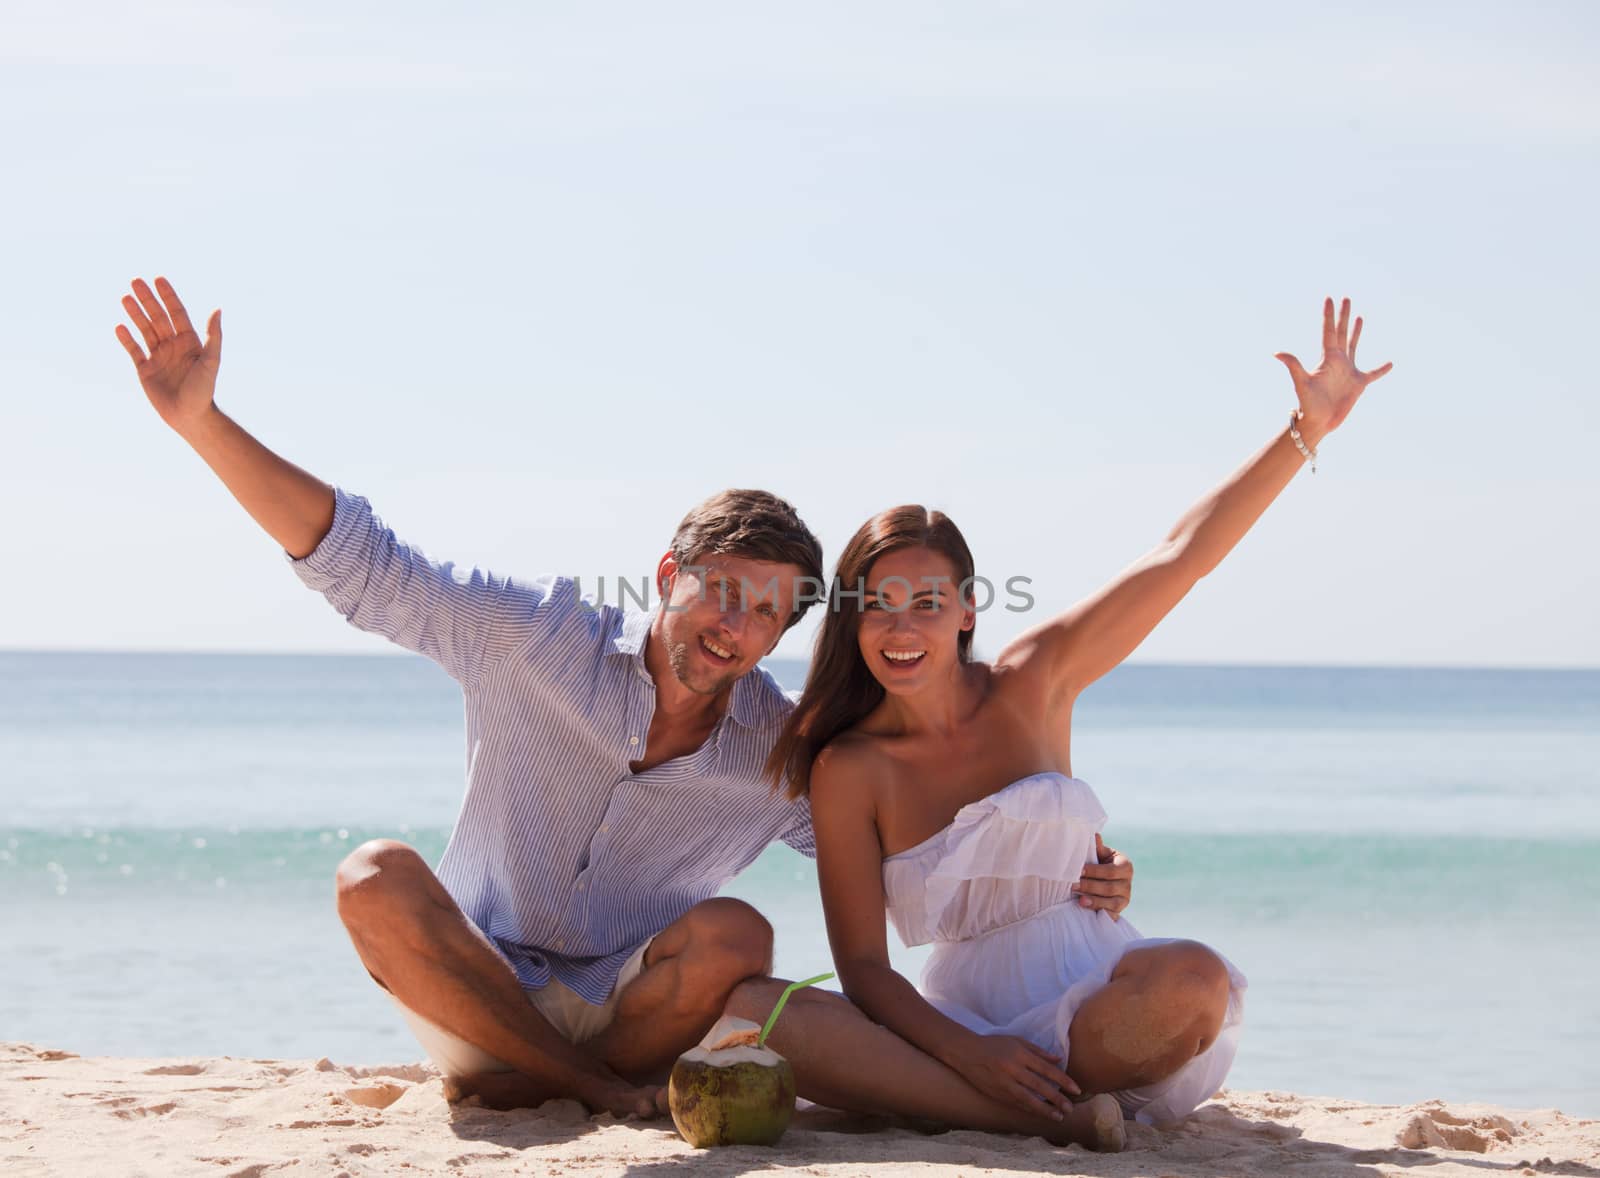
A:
(844, 1060)
(1163, 1006)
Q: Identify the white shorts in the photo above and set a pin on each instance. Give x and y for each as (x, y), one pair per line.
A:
(564, 1009)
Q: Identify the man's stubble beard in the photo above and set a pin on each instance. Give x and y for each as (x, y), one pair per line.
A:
(678, 656)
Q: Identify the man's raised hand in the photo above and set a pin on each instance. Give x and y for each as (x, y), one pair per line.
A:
(179, 374)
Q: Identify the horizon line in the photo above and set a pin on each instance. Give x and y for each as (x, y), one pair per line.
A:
(1151, 663)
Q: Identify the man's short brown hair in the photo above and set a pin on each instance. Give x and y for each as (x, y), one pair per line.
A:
(756, 525)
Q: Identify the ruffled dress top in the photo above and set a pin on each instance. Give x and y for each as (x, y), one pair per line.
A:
(1014, 953)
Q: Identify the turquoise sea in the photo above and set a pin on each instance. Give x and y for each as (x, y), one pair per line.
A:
(1405, 862)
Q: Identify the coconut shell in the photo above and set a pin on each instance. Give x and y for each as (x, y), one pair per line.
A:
(743, 1095)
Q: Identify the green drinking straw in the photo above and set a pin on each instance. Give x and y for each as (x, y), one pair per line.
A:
(778, 1009)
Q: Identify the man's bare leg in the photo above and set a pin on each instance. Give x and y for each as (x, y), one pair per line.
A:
(844, 1060)
(420, 947)
(689, 970)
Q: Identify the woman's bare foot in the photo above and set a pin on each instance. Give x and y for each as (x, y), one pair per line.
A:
(1095, 1124)
(1105, 1122)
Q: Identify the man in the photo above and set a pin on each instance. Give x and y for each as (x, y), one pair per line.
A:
(572, 943)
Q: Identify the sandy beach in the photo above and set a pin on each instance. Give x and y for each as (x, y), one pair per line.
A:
(62, 1114)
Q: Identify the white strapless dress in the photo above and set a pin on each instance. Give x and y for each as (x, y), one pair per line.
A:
(1014, 953)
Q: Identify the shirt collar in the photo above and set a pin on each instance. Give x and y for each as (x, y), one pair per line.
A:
(743, 706)
(744, 703)
(631, 634)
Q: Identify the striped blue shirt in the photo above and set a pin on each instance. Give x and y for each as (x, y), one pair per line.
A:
(562, 856)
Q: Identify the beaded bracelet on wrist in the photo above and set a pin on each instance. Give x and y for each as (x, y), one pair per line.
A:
(1310, 455)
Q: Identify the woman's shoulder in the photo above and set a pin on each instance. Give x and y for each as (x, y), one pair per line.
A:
(849, 754)
(850, 769)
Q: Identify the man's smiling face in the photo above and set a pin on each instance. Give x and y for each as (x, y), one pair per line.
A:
(723, 616)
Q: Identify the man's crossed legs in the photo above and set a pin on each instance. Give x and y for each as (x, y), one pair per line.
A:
(714, 959)
(418, 945)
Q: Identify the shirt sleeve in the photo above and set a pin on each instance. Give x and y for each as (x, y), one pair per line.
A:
(385, 586)
(800, 836)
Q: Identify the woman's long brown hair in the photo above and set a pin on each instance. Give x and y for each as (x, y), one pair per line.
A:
(840, 690)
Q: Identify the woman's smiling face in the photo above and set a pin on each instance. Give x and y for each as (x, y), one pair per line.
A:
(911, 618)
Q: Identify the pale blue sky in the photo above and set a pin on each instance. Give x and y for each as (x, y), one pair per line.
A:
(537, 278)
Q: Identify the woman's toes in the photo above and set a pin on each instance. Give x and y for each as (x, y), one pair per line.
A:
(1110, 1135)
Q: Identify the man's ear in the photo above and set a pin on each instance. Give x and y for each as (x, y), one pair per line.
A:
(969, 614)
(666, 575)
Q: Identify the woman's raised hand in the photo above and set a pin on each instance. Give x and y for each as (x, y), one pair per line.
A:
(180, 374)
(1328, 394)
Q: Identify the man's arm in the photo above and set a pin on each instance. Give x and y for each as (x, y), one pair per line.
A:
(800, 835)
(179, 376)
(378, 583)
(293, 506)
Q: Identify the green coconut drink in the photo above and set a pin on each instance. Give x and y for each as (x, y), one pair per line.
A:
(733, 1089)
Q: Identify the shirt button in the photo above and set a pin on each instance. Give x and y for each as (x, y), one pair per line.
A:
(581, 885)
(559, 943)
(604, 828)
(633, 740)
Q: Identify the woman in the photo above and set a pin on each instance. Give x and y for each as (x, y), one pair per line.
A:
(942, 789)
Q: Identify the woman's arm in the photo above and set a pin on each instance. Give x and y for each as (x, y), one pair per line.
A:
(850, 871)
(1072, 650)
